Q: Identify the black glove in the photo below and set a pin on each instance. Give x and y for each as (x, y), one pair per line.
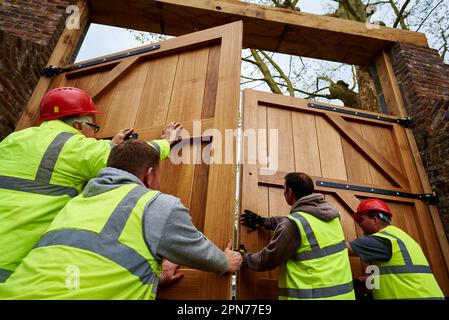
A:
(251, 219)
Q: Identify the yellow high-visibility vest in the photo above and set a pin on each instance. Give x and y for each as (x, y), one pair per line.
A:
(407, 275)
(320, 269)
(94, 249)
(41, 169)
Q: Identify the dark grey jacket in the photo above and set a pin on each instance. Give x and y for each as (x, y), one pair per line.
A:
(286, 238)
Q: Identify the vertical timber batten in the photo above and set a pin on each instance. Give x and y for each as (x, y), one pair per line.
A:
(63, 53)
(395, 104)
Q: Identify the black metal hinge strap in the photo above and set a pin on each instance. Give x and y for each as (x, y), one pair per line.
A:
(428, 198)
(53, 71)
(405, 122)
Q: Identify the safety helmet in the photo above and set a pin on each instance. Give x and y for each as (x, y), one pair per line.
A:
(66, 101)
(372, 205)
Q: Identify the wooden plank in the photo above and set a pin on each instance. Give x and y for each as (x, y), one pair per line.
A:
(188, 88)
(331, 151)
(127, 94)
(112, 77)
(254, 117)
(222, 177)
(199, 191)
(266, 28)
(364, 146)
(357, 167)
(376, 134)
(62, 54)
(210, 89)
(154, 105)
(396, 105)
(305, 144)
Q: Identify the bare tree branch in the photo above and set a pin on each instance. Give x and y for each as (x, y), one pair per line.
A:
(281, 73)
(400, 16)
(428, 15)
(265, 72)
(347, 5)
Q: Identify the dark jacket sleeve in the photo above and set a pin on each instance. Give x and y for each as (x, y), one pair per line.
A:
(272, 222)
(286, 240)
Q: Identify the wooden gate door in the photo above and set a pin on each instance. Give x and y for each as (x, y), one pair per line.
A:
(348, 156)
(190, 78)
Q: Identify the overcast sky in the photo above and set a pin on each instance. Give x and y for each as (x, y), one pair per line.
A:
(102, 40)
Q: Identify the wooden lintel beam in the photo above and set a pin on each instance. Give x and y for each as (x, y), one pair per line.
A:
(266, 28)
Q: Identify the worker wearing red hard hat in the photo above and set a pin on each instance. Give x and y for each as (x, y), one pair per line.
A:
(42, 168)
(403, 270)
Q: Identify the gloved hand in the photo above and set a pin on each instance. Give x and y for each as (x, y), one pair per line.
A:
(251, 219)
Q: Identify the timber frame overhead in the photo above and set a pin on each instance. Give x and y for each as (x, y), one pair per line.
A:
(266, 28)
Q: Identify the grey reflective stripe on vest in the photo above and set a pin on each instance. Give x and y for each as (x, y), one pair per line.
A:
(106, 247)
(50, 157)
(106, 242)
(404, 251)
(316, 293)
(404, 269)
(409, 267)
(116, 222)
(19, 184)
(4, 274)
(316, 251)
(41, 184)
(326, 251)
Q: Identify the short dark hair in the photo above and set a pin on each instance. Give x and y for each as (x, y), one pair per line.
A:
(300, 183)
(133, 156)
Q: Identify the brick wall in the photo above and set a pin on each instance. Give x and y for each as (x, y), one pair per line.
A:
(29, 31)
(424, 81)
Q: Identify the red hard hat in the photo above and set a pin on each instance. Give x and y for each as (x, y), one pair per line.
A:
(66, 101)
(372, 205)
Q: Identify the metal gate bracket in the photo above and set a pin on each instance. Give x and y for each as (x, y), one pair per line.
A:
(428, 198)
(52, 71)
(405, 122)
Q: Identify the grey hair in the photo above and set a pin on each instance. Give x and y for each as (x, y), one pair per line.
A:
(70, 120)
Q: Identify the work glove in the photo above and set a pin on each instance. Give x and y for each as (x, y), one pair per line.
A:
(251, 219)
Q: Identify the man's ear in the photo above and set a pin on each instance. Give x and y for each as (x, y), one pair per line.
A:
(148, 178)
(77, 125)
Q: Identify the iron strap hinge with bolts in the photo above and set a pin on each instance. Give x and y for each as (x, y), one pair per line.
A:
(405, 122)
(428, 198)
(52, 71)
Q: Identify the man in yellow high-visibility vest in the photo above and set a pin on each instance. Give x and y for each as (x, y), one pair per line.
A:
(403, 271)
(109, 242)
(42, 168)
(308, 245)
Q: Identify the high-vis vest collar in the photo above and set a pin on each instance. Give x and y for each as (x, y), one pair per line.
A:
(407, 275)
(320, 268)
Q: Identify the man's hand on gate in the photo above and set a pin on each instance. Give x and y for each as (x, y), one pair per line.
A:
(251, 219)
(171, 133)
(169, 274)
(234, 258)
(121, 135)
